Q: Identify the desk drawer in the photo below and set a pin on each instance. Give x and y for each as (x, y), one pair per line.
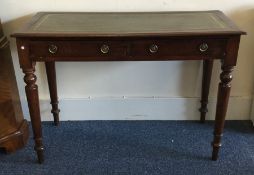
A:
(85, 49)
(125, 49)
(175, 48)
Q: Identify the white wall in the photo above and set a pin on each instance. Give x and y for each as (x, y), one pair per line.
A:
(136, 90)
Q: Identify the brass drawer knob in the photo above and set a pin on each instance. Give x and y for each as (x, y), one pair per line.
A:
(203, 47)
(104, 49)
(53, 48)
(153, 48)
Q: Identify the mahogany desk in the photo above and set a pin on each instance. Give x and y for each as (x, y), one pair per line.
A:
(144, 36)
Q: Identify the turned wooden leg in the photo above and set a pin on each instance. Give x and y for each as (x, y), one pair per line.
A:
(207, 73)
(51, 75)
(34, 109)
(221, 109)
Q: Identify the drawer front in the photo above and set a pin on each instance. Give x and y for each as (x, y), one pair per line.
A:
(85, 49)
(178, 48)
(128, 49)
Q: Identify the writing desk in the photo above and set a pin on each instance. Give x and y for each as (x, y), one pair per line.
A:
(143, 36)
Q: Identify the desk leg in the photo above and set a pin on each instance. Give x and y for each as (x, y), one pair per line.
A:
(221, 109)
(207, 73)
(34, 109)
(51, 75)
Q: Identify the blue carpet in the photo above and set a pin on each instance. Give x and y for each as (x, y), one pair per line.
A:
(136, 148)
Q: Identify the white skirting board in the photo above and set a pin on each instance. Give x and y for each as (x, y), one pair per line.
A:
(143, 108)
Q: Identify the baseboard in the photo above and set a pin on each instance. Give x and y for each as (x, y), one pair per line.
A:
(150, 108)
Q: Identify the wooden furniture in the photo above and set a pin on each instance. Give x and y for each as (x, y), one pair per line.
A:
(13, 128)
(146, 36)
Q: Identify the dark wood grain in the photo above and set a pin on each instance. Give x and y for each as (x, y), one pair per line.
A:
(31, 88)
(13, 128)
(59, 36)
(224, 92)
(185, 48)
(33, 104)
(51, 75)
(221, 109)
(207, 74)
